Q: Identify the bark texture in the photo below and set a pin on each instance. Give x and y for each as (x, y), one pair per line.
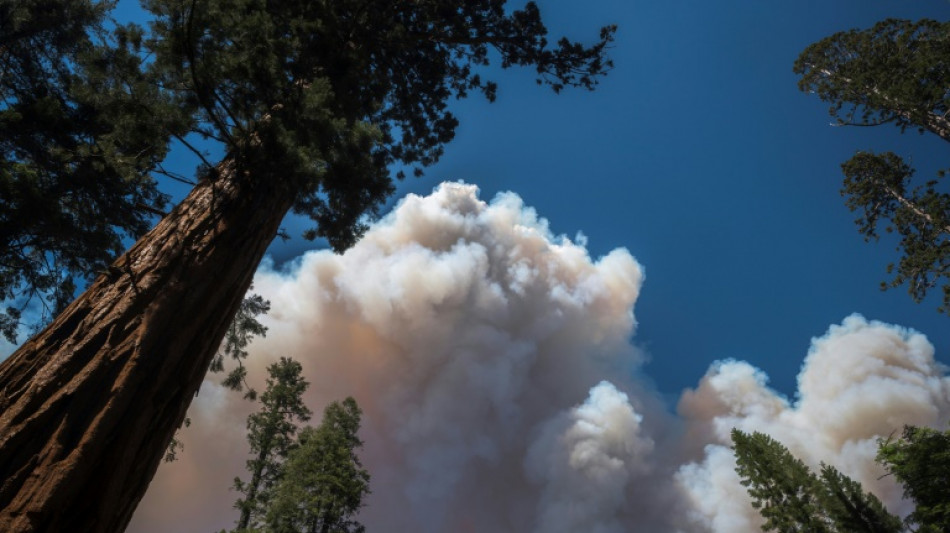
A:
(88, 406)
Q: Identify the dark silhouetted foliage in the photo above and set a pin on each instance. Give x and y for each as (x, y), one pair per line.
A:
(897, 72)
(791, 498)
(271, 433)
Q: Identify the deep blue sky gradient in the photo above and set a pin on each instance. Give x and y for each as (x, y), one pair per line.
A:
(699, 155)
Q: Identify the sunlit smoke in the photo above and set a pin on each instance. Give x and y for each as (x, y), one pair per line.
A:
(461, 327)
(860, 382)
(494, 363)
(585, 459)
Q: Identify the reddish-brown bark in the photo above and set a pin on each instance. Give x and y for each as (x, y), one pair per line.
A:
(88, 406)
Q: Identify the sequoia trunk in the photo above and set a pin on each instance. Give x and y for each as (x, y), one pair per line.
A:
(88, 406)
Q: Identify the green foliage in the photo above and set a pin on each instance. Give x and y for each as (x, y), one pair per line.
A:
(314, 482)
(244, 327)
(781, 486)
(270, 433)
(849, 507)
(81, 127)
(896, 72)
(791, 498)
(878, 185)
(175, 446)
(319, 96)
(920, 460)
(323, 482)
(323, 96)
(314, 98)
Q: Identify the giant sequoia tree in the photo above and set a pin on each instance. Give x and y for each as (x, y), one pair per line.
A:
(313, 101)
(897, 72)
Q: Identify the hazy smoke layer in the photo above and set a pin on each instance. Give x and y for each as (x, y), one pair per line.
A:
(494, 365)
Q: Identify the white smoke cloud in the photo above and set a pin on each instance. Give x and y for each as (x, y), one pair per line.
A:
(461, 327)
(860, 382)
(471, 335)
(585, 461)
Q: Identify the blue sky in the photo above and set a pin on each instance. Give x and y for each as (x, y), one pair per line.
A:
(699, 155)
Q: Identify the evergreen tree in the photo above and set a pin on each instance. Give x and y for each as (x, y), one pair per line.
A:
(81, 128)
(312, 100)
(781, 486)
(323, 482)
(243, 328)
(920, 460)
(897, 72)
(850, 507)
(791, 498)
(270, 432)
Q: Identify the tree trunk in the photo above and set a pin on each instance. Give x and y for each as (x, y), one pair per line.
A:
(251, 500)
(88, 406)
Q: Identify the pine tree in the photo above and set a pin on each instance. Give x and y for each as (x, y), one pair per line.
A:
(850, 507)
(313, 101)
(270, 432)
(791, 498)
(920, 460)
(323, 482)
(781, 486)
(243, 328)
(897, 72)
(81, 128)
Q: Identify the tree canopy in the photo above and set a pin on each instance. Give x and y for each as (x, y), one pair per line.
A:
(920, 460)
(271, 434)
(352, 86)
(792, 498)
(897, 72)
(81, 128)
(323, 482)
(326, 95)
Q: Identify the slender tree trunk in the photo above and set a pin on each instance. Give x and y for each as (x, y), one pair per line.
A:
(88, 406)
(250, 501)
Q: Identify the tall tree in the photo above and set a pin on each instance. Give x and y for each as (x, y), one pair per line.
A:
(792, 498)
(850, 508)
(897, 72)
(81, 128)
(313, 101)
(781, 486)
(270, 432)
(920, 460)
(323, 482)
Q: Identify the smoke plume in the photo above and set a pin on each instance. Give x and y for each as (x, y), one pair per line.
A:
(494, 364)
(860, 382)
